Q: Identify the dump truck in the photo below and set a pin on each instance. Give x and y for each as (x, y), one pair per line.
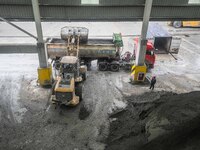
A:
(105, 51)
(67, 89)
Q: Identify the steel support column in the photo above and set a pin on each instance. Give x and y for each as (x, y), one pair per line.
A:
(44, 71)
(42, 54)
(141, 51)
(139, 69)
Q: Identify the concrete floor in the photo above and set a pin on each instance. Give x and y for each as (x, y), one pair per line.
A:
(29, 121)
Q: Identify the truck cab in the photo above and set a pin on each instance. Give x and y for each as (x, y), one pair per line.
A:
(150, 53)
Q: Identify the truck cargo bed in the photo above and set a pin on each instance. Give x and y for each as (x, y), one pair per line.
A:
(93, 49)
(90, 41)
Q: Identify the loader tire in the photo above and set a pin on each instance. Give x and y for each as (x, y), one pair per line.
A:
(78, 91)
(53, 88)
(88, 64)
(84, 76)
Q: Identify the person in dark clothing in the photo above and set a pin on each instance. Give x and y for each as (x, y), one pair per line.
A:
(153, 82)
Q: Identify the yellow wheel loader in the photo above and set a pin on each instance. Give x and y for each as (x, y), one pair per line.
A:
(67, 89)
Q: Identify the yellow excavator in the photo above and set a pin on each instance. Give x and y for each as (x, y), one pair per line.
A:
(67, 89)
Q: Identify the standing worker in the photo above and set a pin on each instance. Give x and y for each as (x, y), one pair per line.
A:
(153, 82)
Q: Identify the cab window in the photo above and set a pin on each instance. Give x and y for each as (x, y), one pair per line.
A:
(150, 52)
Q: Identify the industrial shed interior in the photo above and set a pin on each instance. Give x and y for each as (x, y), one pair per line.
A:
(100, 74)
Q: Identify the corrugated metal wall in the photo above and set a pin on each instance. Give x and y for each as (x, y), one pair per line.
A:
(194, 1)
(101, 2)
(106, 10)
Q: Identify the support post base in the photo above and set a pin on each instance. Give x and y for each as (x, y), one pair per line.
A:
(138, 73)
(45, 76)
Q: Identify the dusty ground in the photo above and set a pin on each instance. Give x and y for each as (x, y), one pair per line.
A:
(30, 121)
(170, 122)
(114, 114)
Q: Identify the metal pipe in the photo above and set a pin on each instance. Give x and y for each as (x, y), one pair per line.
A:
(19, 28)
(141, 51)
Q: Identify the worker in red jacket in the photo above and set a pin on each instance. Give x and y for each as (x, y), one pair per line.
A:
(153, 82)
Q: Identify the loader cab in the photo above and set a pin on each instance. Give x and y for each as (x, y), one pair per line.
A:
(68, 67)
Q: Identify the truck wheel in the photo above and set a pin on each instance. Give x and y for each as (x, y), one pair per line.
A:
(177, 24)
(78, 90)
(114, 67)
(103, 66)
